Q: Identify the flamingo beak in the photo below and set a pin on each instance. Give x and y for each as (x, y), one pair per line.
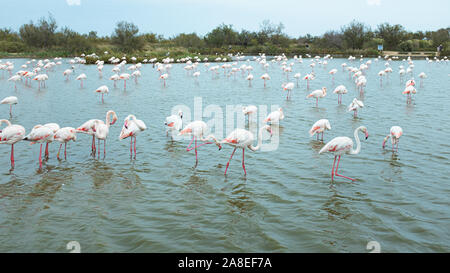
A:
(367, 135)
(220, 147)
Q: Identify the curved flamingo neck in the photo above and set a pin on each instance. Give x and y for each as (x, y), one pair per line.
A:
(5, 121)
(358, 142)
(253, 148)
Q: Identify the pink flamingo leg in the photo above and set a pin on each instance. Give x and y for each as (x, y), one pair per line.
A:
(228, 164)
(131, 147)
(98, 144)
(196, 158)
(40, 158)
(322, 136)
(134, 147)
(12, 157)
(317, 102)
(65, 152)
(332, 169)
(336, 171)
(104, 149)
(243, 162)
(57, 155)
(46, 151)
(10, 110)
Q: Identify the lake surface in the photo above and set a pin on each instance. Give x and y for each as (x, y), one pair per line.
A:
(286, 203)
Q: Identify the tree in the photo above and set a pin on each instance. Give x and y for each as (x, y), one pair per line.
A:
(440, 36)
(355, 34)
(392, 35)
(331, 39)
(41, 35)
(125, 37)
(222, 35)
(188, 40)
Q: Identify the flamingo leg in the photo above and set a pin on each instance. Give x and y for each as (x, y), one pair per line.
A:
(332, 169)
(10, 110)
(57, 155)
(243, 161)
(40, 158)
(196, 158)
(322, 136)
(134, 147)
(104, 149)
(65, 152)
(46, 151)
(12, 157)
(131, 147)
(98, 144)
(228, 163)
(336, 171)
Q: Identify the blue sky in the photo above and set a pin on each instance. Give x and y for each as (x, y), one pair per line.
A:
(170, 17)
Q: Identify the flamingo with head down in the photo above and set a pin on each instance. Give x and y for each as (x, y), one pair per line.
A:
(319, 127)
(395, 133)
(40, 134)
(11, 134)
(131, 128)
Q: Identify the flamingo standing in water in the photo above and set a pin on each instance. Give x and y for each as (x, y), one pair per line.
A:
(54, 127)
(409, 91)
(308, 77)
(11, 101)
(80, 78)
(41, 78)
(249, 111)
(395, 133)
(381, 74)
(340, 90)
(102, 90)
(88, 127)
(319, 93)
(164, 77)
(65, 135)
(131, 127)
(249, 79)
(15, 78)
(332, 73)
(67, 73)
(40, 134)
(124, 77)
(275, 116)
(319, 127)
(11, 134)
(265, 77)
(241, 138)
(422, 76)
(297, 76)
(288, 87)
(198, 129)
(343, 145)
(354, 106)
(115, 78)
(174, 123)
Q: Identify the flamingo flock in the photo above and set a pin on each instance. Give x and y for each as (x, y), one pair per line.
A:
(198, 130)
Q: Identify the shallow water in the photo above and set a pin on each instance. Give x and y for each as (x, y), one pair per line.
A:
(286, 203)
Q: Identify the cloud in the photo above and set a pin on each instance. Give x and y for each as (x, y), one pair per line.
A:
(73, 2)
(373, 2)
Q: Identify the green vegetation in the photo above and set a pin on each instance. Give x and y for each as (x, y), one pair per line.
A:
(43, 39)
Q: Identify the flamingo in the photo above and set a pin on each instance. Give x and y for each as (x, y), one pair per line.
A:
(409, 91)
(11, 100)
(249, 79)
(288, 87)
(54, 127)
(308, 77)
(80, 78)
(65, 135)
(15, 78)
(11, 134)
(340, 90)
(132, 127)
(249, 111)
(241, 138)
(198, 129)
(67, 73)
(275, 116)
(174, 123)
(164, 77)
(395, 133)
(265, 77)
(343, 145)
(297, 76)
(319, 127)
(354, 106)
(102, 90)
(40, 134)
(381, 74)
(422, 76)
(333, 72)
(319, 93)
(124, 77)
(41, 78)
(115, 78)
(87, 127)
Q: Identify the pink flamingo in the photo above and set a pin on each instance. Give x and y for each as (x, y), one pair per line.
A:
(65, 135)
(354, 106)
(241, 138)
(115, 78)
(80, 78)
(319, 127)
(11, 134)
(164, 77)
(40, 134)
(198, 129)
(308, 77)
(340, 90)
(88, 127)
(409, 91)
(265, 77)
(54, 127)
(275, 116)
(124, 77)
(288, 87)
(319, 93)
(11, 101)
(15, 78)
(343, 145)
(102, 90)
(395, 133)
(132, 127)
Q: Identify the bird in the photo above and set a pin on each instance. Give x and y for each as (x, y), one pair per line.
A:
(288, 87)
(198, 129)
(395, 133)
(11, 100)
(54, 127)
(67, 73)
(174, 123)
(343, 145)
(249, 111)
(297, 76)
(164, 77)
(319, 93)
(340, 90)
(409, 91)
(115, 78)
(88, 127)
(275, 116)
(333, 72)
(265, 77)
(40, 134)
(102, 90)
(80, 78)
(132, 127)
(64, 135)
(241, 138)
(41, 78)
(15, 78)
(422, 76)
(11, 134)
(354, 106)
(308, 77)
(249, 79)
(124, 77)
(319, 127)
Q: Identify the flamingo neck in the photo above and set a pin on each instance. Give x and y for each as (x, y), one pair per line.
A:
(5, 121)
(253, 148)
(358, 142)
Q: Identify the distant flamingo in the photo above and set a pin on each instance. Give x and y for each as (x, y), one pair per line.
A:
(275, 116)
(288, 87)
(11, 101)
(395, 133)
(80, 78)
(249, 111)
(343, 145)
(319, 93)
(297, 76)
(265, 77)
(409, 91)
(11, 134)
(249, 79)
(54, 127)
(65, 135)
(124, 77)
(174, 123)
(198, 129)
(102, 90)
(15, 78)
(115, 78)
(131, 128)
(67, 73)
(422, 76)
(319, 127)
(241, 138)
(332, 73)
(354, 106)
(164, 77)
(40, 134)
(340, 90)
(308, 77)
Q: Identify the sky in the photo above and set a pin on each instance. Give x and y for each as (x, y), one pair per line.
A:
(171, 17)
